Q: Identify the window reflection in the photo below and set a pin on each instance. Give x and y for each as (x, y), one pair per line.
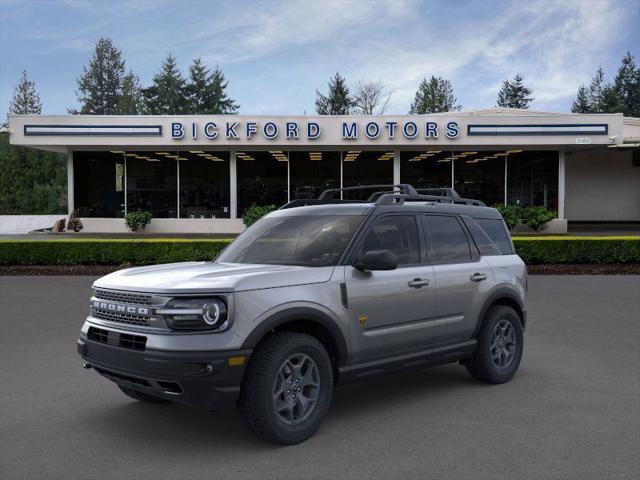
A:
(152, 183)
(204, 184)
(366, 168)
(99, 184)
(262, 179)
(480, 175)
(313, 172)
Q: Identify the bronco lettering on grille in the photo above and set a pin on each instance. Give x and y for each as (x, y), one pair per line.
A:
(117, 308)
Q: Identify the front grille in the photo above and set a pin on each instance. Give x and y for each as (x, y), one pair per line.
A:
(98, 335)
(127, 318)
(123, 297)
(133, 342)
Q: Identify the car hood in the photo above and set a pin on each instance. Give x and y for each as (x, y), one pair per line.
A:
(195, 277)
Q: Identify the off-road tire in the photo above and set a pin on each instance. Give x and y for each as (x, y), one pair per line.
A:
(141, 396)
(256, 402)
(482, 366)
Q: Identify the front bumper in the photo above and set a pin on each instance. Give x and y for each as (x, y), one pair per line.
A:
(204, 380)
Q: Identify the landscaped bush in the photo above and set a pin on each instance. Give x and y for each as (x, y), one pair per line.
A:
(255, 213)
(534, 217)
(107, 252)
(137, 220)
(578, 250)
(541, 250)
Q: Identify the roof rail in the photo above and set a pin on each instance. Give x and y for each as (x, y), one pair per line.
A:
(403, 188)
(388, 195)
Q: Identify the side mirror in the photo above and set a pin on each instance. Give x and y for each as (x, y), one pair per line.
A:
(377, 260)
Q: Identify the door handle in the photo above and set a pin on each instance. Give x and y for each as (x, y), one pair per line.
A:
(418, 283)
(478, 277)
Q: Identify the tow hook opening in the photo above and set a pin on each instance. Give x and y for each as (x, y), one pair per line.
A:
(173, 388)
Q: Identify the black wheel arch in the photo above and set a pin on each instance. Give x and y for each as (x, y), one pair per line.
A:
(503, 295)
(304, 320)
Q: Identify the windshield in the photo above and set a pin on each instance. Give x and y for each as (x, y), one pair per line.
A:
(310, 241)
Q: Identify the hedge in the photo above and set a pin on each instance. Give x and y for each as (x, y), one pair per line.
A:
(533, 250)
(107, 252)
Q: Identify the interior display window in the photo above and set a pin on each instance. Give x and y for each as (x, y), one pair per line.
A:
(262, 179)
(366, 168)
(313, 172)
(480, 175)
(204, 184)
(532, 179)
(429, 168)
(152, 184)
(99, 184)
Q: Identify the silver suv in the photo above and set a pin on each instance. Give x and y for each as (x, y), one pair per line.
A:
(317, 293)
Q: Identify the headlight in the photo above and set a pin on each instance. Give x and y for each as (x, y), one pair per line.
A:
(195, 314)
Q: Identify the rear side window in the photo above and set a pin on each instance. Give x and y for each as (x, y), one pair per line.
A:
(497, 232)
(482, 239)
(397, 233)
(447, 241)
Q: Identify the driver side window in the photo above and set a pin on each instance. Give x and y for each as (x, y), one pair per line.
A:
(398, 233)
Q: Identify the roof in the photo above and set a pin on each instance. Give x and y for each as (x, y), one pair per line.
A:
(411, 206)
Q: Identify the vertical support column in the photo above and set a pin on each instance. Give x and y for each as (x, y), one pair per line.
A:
(506, 169)
(177, 188)
(453, 171)
(561, 177)
(70, 183)
(341, 172)
(288, 177)
(396, 167)
(233, 185)
(125, 186)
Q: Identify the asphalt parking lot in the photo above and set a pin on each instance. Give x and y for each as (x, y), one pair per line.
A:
(573, 410)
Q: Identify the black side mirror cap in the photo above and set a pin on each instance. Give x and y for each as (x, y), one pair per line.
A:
(377, 260)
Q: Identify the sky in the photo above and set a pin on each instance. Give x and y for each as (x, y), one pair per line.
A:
(276, 54)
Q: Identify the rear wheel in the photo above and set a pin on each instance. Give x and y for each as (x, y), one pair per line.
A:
(500, 345)
(141, 396)
(287, 388)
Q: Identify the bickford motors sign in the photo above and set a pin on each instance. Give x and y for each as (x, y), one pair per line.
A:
(294, 130)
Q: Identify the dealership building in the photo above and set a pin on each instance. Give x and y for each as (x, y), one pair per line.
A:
(200, 173)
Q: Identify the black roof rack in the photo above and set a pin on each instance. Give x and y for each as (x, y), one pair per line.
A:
(389, 195)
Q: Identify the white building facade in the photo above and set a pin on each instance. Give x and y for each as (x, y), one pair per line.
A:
(199, 174)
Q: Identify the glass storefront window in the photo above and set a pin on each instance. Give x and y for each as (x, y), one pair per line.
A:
(480, 175)
(366, 168)
(99, 184)
(262, 179)
(426, 169)
(204, 184)
(532, 179)
(152, 183)
(313, 172)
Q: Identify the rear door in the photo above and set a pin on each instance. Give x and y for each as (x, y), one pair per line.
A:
(462, 277)
(389, 310)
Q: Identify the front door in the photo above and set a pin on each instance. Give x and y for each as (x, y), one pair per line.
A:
(389, 310)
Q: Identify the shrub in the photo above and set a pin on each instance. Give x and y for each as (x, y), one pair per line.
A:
(510, 213)
(74, 223)
(536, 217)
(255, 213)
(137, 220)
(578, 250)
(73, 251)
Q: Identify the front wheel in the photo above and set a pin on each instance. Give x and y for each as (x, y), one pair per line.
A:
(287, 388)
(500, 345)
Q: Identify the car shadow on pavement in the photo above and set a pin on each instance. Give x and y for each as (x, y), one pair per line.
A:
(192, 429)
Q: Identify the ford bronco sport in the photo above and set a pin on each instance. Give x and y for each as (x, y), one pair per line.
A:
(320, 292)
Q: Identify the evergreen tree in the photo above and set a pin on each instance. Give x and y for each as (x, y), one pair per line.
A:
(167, 95)
(338, 101)
(100, 85)
(218, 100)
(596, 91)
(581, 104)
(31, 181)
(25, 99)
(514, 94)
(433, 96)
(627, 86)
(130, 101)
(206, 91)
